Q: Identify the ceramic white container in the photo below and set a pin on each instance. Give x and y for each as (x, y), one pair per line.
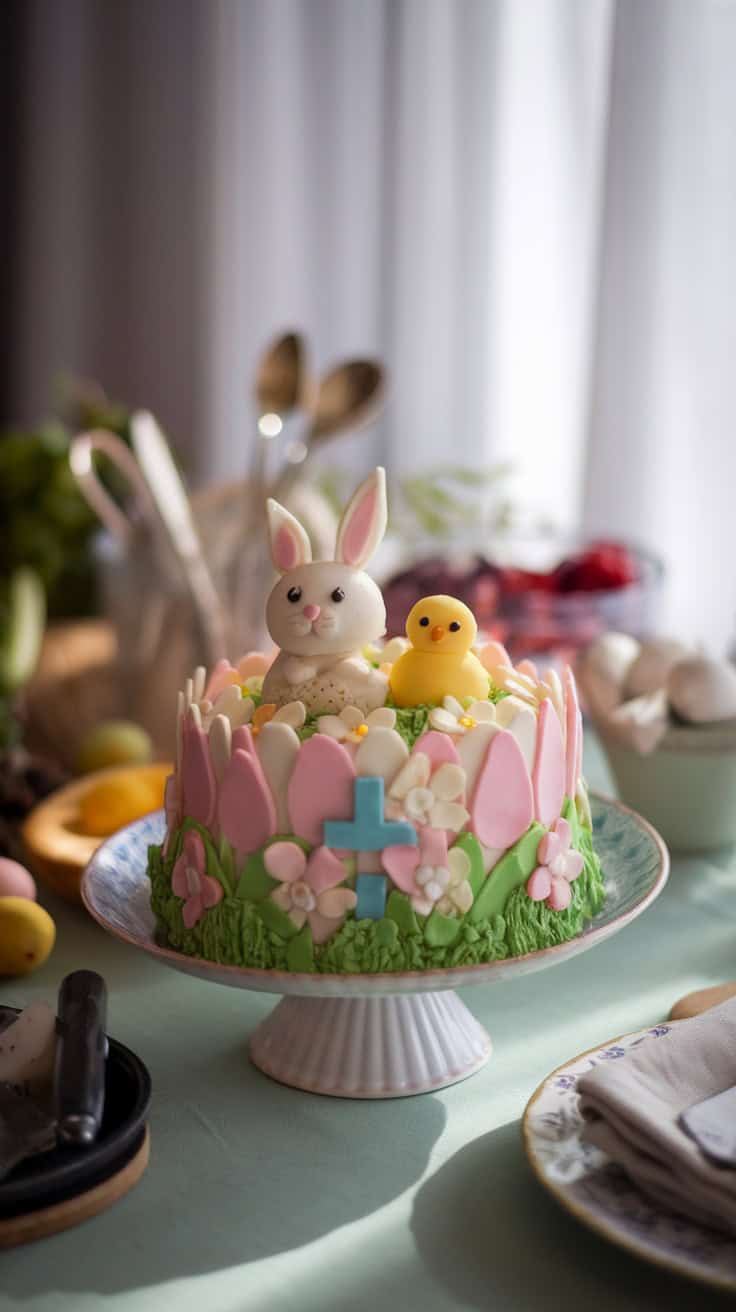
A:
(686, 787)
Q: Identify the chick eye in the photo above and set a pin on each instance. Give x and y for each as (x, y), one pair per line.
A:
(337, 594)
(424, 621)
(294, 594)
(454, 626)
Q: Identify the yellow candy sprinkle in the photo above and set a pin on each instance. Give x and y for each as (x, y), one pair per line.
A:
(362, 730)
(467, 721)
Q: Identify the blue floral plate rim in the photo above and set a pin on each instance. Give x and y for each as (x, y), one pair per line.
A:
(596, 1192)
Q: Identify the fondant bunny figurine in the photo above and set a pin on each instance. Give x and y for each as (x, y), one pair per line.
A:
(322, 614)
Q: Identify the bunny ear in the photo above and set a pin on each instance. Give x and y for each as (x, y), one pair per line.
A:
(290, 545)
(363, 523)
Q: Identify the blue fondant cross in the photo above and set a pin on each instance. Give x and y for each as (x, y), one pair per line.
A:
(369, 832)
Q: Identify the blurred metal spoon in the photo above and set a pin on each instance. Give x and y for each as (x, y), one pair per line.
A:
(349, 397)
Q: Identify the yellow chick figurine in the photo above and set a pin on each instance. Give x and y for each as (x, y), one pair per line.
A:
(439, 662)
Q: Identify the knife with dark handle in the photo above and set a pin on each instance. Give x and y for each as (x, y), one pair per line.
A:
(81, 1052)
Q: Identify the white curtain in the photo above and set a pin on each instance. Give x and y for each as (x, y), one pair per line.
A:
(526, 207)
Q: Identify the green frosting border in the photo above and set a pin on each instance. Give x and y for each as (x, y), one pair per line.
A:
(246, 928)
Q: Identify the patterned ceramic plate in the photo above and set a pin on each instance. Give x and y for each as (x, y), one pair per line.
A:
(598, 1193)
(116, 891)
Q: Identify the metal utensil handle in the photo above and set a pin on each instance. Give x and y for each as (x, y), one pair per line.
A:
(81, 1050)
(116, 521)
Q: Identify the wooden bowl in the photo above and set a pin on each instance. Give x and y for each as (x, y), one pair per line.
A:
(57, 849)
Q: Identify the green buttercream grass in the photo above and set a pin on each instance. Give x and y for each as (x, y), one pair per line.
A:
(246, 927)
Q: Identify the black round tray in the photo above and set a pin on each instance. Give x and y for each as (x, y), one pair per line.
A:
(53, 1176)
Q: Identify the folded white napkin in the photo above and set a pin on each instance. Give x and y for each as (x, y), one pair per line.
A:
(631, 1108)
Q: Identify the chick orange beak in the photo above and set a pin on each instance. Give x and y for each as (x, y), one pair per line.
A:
(437, 633)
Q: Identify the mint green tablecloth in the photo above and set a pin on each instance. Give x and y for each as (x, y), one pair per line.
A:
(259, 1197)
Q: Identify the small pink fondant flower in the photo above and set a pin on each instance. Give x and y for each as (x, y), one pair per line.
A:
(190, 880)
(432, 876)
(307, 888)
(558, 867)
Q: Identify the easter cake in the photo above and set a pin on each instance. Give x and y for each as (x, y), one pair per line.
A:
(347, 806)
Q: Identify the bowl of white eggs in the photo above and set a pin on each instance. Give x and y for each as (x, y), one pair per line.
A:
(666, 716)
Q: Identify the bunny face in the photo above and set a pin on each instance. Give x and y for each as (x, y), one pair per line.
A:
(329, 607)
(325, 609)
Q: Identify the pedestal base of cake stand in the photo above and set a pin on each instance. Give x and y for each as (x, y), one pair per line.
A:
(370, 1047)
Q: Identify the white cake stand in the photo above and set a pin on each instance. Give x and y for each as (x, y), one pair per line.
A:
(373, 1036)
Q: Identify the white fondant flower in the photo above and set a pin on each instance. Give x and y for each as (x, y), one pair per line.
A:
(429, 798)
(352, 726)
(445, 887)
(454, 718)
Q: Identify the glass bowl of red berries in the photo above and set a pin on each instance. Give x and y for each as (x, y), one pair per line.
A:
(540, 597)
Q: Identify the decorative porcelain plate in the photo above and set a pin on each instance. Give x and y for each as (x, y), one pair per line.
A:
(372, 1040)
(597, 1192)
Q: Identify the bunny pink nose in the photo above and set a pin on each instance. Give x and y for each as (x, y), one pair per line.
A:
(311, 612)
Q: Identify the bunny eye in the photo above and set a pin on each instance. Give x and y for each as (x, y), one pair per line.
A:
(294, 594)
(454, 626)
(337, 594)
(424, 621)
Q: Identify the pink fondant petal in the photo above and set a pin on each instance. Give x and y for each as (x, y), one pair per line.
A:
(198, 785)
(548, 849)
(179, 883)
(336, 902)
(281, 896)
(494, 653)
(400, 863)
(574, 863)
(579, 752)
(242, 740)
(502, 806)
(222, 676)
(572, 730)
(285, 862)
(529, 668)
(321, 787)
(324, 870)
(560, 895)
(211, 891)
(539, 884)
(254, 663)
(439, 747)
(561, 828)
(323, 927)
(433, 847)
(548, 774)
(192, 911)
(247, 813)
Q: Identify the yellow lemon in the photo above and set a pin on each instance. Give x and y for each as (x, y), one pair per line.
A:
(27, 935)
(121, 798)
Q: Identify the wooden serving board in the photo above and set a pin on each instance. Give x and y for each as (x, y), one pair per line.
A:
(26, 1227)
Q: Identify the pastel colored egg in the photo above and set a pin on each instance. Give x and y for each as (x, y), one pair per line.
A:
(650, 670)
(27, 935)
(114, 742)
(701, 690)
(15, 880)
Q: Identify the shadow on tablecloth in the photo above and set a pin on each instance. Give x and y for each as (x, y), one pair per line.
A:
(490, 1235)
(241, 1169)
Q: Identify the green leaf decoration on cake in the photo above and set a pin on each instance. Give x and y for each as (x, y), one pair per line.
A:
(227, 865)
(400, 910)
(300, 951)
(387, 933)
(512, 870)
(441, 931)
(277, 920)
(255, 883)
(468, 843)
